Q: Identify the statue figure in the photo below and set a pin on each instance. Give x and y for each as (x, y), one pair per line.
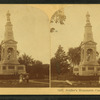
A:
(9, 53)
(89, 54)
(88, 57)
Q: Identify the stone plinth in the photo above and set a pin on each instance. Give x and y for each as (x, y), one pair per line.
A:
(89, 70)
(9, 69)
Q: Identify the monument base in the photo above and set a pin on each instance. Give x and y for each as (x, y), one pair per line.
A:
(87, 70)
(10, 69)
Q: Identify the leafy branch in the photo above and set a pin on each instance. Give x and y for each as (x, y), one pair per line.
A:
(58, 17)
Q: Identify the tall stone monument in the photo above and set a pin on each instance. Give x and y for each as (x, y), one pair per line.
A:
(88, 65)
(9, 63)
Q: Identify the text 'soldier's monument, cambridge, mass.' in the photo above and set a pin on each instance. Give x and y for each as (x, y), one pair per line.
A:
(88, 64)
(9, 63)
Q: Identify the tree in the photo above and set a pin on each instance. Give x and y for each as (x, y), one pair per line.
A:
(37, 62)
(58, 17)
(26, 60)
(53, 66)
(74, 55)
(59, 63)
(33, 67)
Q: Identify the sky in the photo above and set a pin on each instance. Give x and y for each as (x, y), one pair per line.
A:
(49, 9)
(71, 34)
(30, 29)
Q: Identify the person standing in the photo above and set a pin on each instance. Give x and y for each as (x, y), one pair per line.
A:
(20, 78)
(23, 78)
(27, 78)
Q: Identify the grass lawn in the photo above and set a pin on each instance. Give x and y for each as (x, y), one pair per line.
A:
(41, 80)
(75, 84)
(32, 83)
(77, 81)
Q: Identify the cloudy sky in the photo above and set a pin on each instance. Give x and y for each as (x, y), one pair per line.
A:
(71, 34)
(30, 28)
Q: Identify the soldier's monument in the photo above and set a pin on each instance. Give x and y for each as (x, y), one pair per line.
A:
(9, 63)
(88, 65)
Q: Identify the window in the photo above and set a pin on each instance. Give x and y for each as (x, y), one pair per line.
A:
(83, 68)
(75, 69)
(10, 67)
(90, 68)
(20, 68)
(4, 67)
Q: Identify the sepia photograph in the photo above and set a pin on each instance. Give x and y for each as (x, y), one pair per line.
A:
(75, 46)
(24, 46)
(50, 48)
